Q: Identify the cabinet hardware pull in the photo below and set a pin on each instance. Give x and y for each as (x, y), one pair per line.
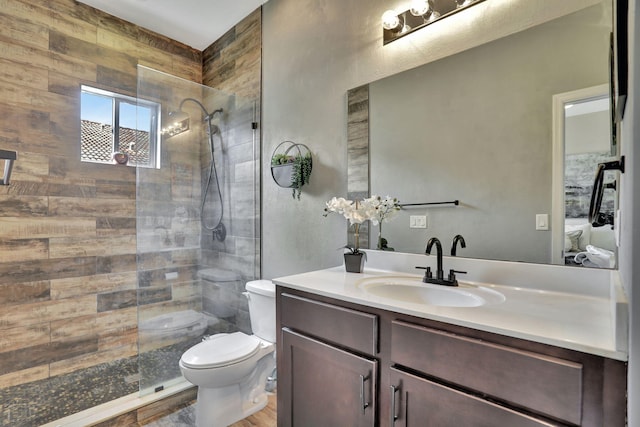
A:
(363, 404)
(393, 416)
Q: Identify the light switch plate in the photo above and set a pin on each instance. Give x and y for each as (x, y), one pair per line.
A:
(542, 221)
(418, 221)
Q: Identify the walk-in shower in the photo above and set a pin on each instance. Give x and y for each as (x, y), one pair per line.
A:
(190, 284)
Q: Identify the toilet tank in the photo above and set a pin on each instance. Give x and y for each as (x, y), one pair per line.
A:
(262, 308)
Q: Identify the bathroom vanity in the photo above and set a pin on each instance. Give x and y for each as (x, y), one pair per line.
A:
(351, 356)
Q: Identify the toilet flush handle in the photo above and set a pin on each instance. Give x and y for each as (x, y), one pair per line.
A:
(246, 294)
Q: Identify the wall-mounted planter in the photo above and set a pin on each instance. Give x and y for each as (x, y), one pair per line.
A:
(282, 174)
(291, 166)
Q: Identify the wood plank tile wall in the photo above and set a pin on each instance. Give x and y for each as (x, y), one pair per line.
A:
(67, 229)
(358, 155)
(234, 62)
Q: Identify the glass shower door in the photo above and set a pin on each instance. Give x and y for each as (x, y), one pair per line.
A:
(196, 213)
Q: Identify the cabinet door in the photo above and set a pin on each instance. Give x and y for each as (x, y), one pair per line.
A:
(324, 386)
(416, 401)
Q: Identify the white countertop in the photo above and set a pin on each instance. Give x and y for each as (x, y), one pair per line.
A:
(583, 321)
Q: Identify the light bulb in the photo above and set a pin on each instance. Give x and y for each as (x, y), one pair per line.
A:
(390, 20)
(419, 7)
(434, 15)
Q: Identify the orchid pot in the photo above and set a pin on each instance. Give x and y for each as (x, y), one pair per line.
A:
(354, 263)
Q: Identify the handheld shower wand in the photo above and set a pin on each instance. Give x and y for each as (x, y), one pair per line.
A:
(219, 230)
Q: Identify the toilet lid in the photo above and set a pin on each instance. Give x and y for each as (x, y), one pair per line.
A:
(221, 350)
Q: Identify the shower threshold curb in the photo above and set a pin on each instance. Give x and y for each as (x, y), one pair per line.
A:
(114, 408)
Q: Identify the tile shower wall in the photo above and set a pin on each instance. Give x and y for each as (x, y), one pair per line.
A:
(578, 184)
(358, 155)
(233, 64)
(68, 316)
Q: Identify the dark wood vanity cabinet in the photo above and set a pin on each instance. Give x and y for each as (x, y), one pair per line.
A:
(342, 364)
(327, 386)
(328, 372)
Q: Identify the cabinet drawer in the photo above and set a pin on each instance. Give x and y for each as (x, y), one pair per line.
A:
(541, 383)
(338, 325)
(420, 402)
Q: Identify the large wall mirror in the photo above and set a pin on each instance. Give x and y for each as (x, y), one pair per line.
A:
(478, 127)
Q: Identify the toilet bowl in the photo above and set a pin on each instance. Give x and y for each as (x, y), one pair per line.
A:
(231, 369)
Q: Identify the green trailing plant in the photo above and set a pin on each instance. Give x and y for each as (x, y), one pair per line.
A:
(281, 159)
(301, 173)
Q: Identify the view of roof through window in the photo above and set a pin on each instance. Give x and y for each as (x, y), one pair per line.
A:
(112, 123)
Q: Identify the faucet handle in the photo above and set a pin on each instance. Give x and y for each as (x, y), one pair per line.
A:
(427, 273)
(452, 274)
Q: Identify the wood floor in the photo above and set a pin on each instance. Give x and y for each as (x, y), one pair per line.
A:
(264, 418)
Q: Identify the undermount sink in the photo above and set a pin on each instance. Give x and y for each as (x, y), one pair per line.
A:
(413, 290)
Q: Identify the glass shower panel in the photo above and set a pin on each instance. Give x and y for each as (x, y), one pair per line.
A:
(197, 222)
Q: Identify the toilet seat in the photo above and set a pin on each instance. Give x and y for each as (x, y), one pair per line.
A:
(221, 350)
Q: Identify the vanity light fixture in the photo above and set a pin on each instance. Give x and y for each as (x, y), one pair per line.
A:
(178, 123)
(419, 15)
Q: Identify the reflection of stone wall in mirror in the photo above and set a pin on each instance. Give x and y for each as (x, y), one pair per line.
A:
(587, 142)
(476, 126)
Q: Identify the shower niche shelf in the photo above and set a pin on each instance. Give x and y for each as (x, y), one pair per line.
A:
(291, 165)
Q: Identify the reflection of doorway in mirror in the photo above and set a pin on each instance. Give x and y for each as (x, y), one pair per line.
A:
(582, 139)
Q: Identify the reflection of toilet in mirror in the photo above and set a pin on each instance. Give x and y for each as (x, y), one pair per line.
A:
(231, 370)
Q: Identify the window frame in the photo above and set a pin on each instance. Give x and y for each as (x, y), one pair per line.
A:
(154, 125)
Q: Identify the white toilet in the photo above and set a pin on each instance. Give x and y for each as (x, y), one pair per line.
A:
(231, 370)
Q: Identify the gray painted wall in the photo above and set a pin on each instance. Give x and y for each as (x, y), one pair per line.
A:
(588, 133)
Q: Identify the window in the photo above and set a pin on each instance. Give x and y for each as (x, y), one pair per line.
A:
(112, 123)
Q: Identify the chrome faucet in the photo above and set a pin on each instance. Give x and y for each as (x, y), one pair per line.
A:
(439, 279)
(457, 239)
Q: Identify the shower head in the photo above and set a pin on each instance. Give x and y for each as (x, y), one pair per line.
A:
(213, 114)
(178, 123)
